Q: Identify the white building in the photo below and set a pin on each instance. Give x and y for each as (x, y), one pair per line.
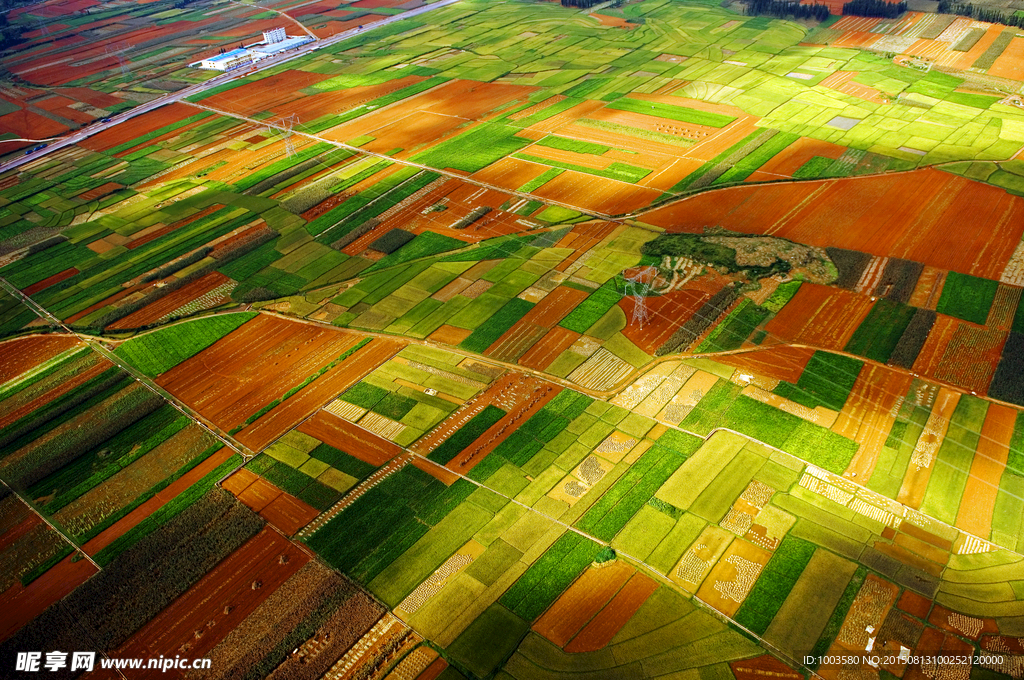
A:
(274, 42)
(236, 58)
(274, 35)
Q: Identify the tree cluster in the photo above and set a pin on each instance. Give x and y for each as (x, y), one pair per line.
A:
(787, 8)
(875, 8)
(966, 9)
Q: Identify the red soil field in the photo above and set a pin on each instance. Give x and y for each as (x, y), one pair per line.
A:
(252, 366)
(547, 349)
(544, 315)
(667, 313)
(21, 604)
(509, 173)
(790, 159)
(975, 516)
(319, 392)
(581, 601)
(284, 511)
(935, 346)
(441, 474)
(22, 354)
(433, 670)
(350, 438)
(219, 601)
(869, 413)
(927, 216)
(30, 125)
(427, 117)
(819, 316)
(160, 308)
(100, 191)
(49, 281)
(610, 620)
(1010, 64)
(528, 396)
(781, 363)
(582, 238)
(450, 335)
(971, 356)
(915, 604)
(915, 481)
(596, 194)
(63, 388)
(617, 22)
(138, 126)
(132, 519)
(273, 92)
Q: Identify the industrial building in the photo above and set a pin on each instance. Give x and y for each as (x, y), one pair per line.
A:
(274, 42)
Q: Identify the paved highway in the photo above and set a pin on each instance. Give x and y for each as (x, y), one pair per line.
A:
(86, 132)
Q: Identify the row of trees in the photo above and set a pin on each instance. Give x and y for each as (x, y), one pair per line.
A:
(966, 9)
(875, 8)
(582, 4)
(784, 9)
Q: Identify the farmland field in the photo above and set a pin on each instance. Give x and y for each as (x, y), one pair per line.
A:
(467, 340)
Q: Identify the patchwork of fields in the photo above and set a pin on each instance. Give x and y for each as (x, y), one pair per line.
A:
(514, 340)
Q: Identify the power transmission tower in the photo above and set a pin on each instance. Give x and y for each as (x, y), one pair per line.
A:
(637, 287)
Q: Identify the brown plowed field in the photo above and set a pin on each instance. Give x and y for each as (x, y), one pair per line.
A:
(581, 601)
(934, 348)
(582, 238)
(724, 572)
(916, 479)
(869, 413)
(781, 363)
(350, 438)
(547, 349)
(1010, 64)
(544, 315)
(596, 194)
(250, 367)
(925, 294)
(450, 335)
(160, 308)
(666, 314)
(975, 516)
(50, 280)
(288, 513)
(30, 125)
(521, 397)
(138, 126)
(509, 173)
(23, 354)
(280, 88)
(927, 216)
(278, 507)
(132, 519)
(219, 601)
(790, 159)
(424, 118)
(819, 316)
(971, 356)
(319, 392)
(59, 390)
(21, 604)
(610, 620)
